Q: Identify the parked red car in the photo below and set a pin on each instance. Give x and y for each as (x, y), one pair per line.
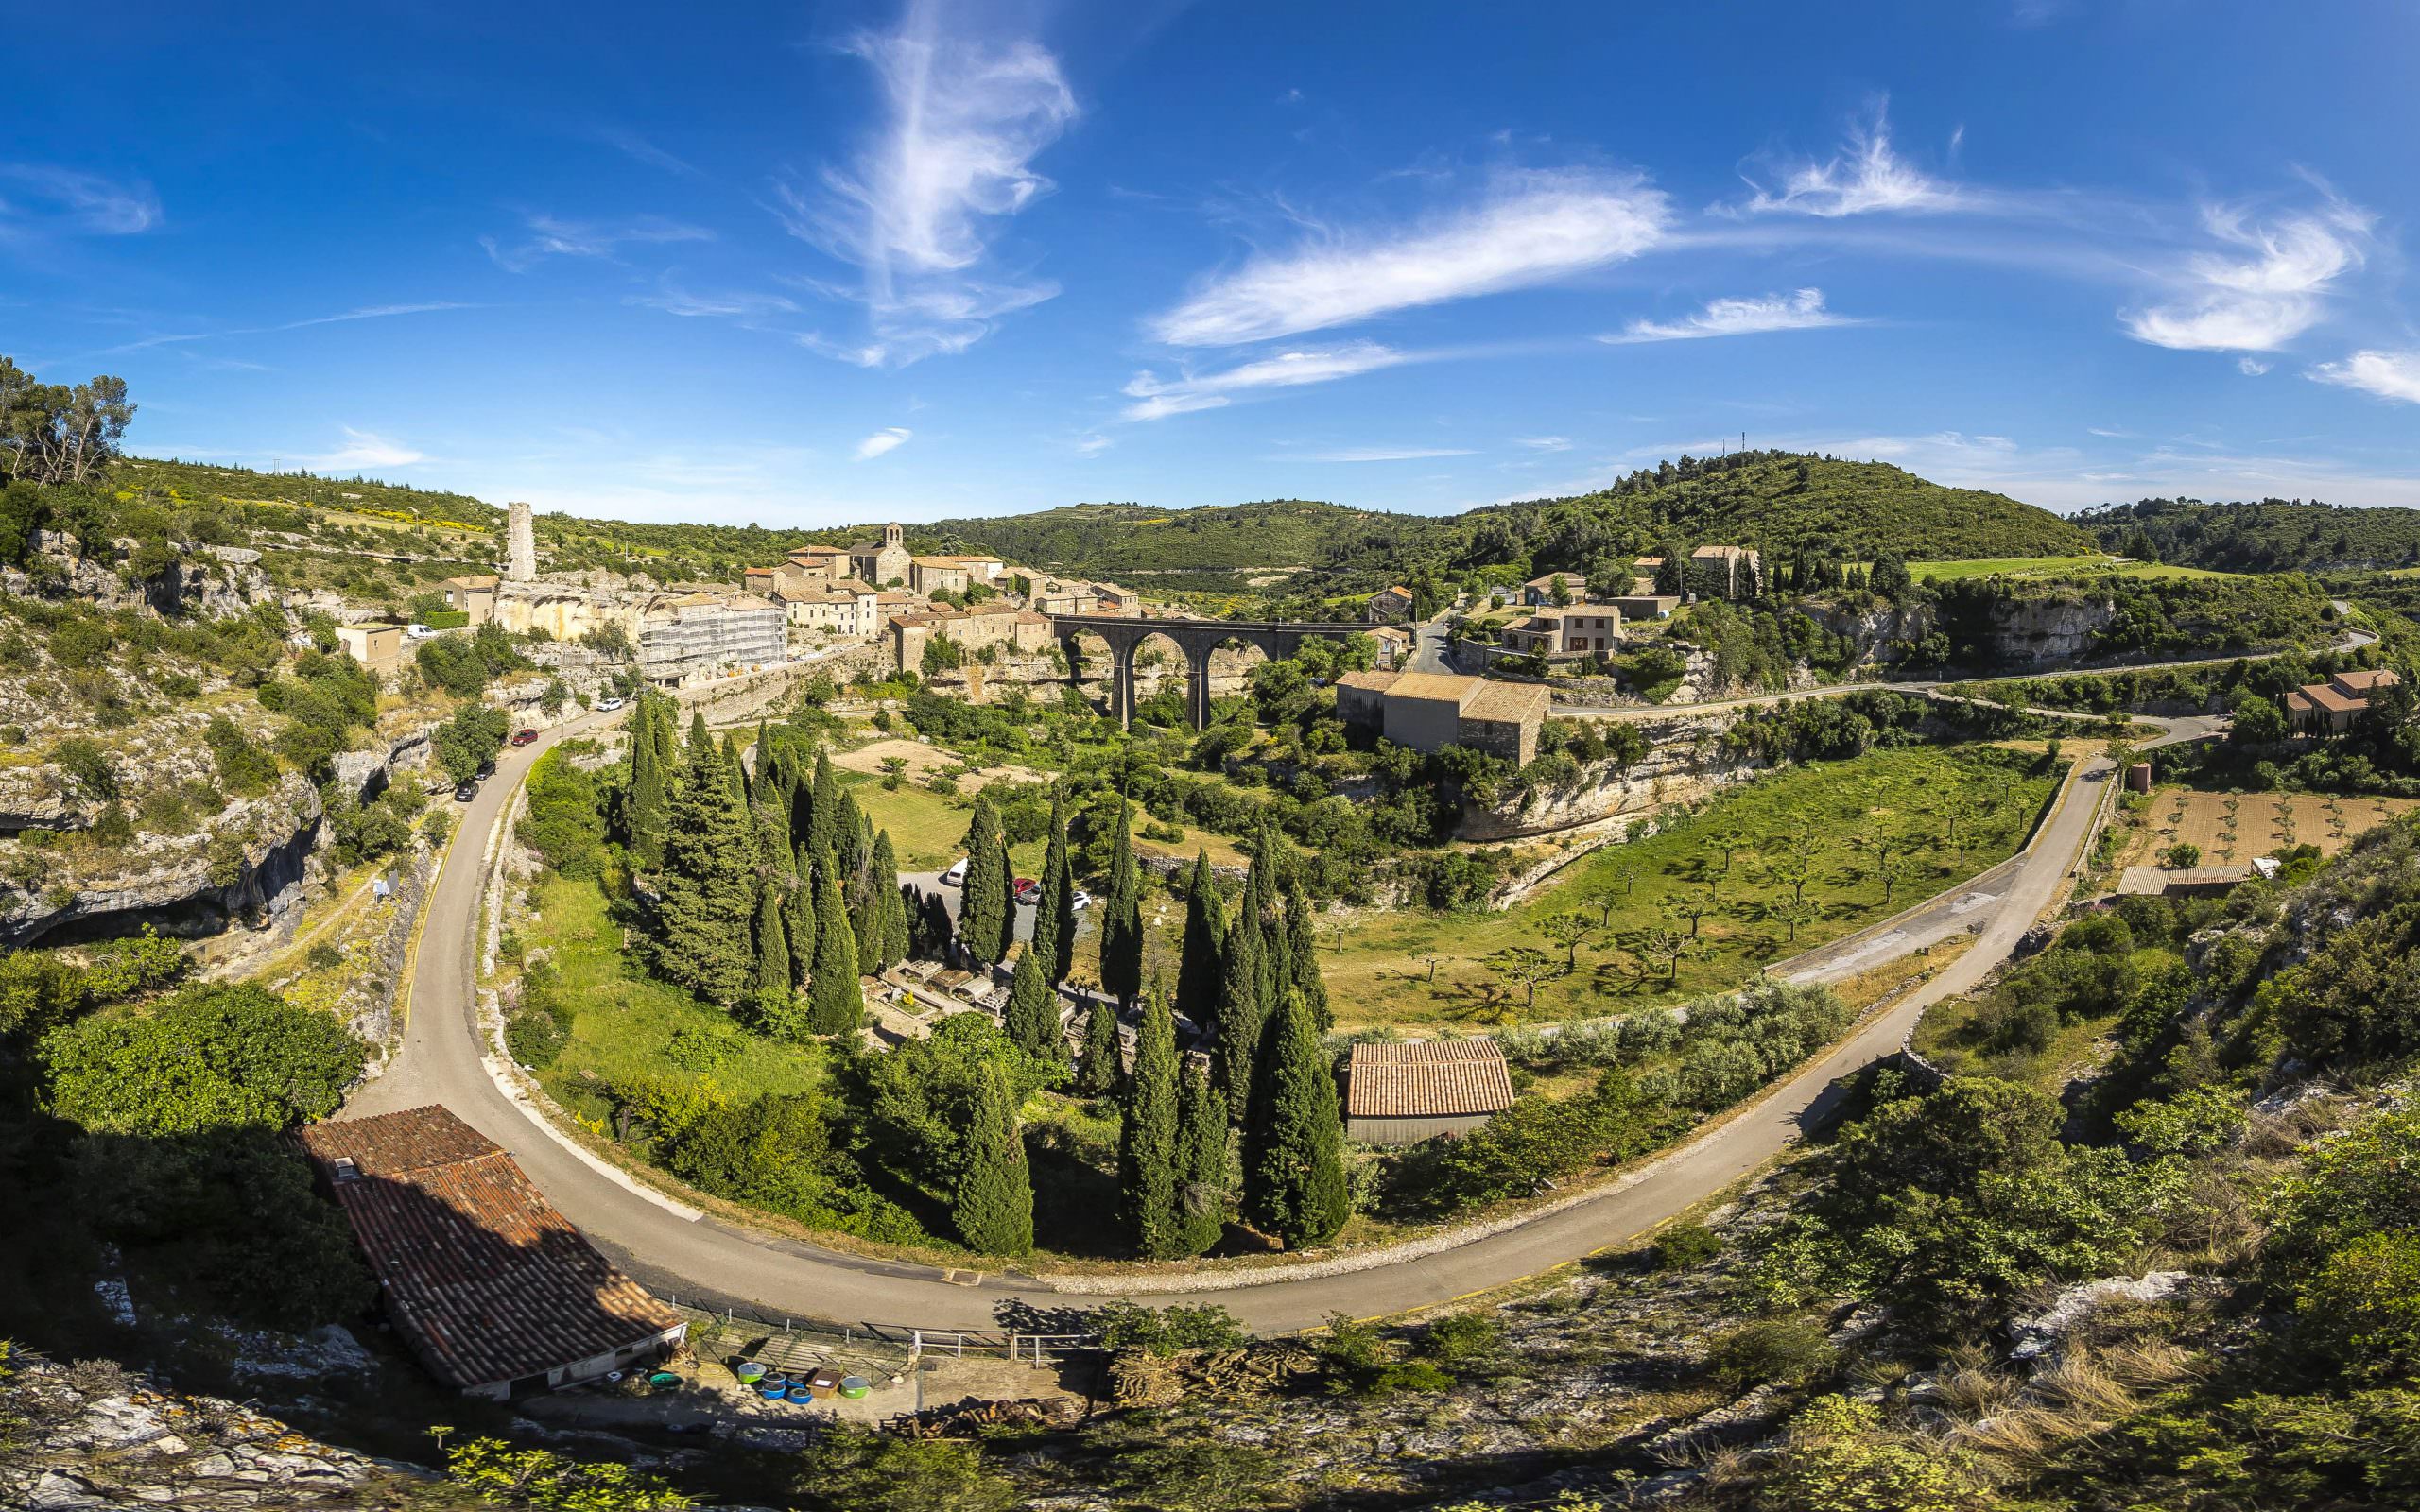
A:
(1029, 891)
(523, 737)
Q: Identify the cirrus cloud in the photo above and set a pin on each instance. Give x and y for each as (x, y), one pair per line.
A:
(882, 442)
(1531, 227)
(2271, 289)
(2387, 374)
(1157, 398)
(1802, 311)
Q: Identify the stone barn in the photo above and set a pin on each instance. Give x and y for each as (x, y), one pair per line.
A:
(1403, 1093)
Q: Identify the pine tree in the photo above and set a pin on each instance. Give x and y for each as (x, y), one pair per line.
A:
(648, 810)
(987, 911)
(1303, 956)
(1121, 920)
(835, 1003)
(1293, 1175)
(1147, 1138)
(1201, 1165)
(1242, 1014)
(1206, 931)
(993, 1204)
(706, 902)
(1054, 920)
(1033, 1017)
(1097, 1069)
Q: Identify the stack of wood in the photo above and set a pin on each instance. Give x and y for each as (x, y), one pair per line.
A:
(967, 1419)
(1140, 1380)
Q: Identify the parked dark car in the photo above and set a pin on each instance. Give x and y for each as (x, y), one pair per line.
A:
(464, 791)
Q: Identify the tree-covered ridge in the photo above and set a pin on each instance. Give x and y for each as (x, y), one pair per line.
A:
(1132, 539)
(208, 482)
(2273, 535)
(1782, 503)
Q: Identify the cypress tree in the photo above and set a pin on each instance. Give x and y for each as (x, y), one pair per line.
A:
(992, 1205)
(776, 994)
(1147, 1138)
(854, 837)
(1205, 930)
(649, 808)
(1097, 1068)
(1262, 893)
(1054, 920)
(1242, 1014)
(1121, 920)
(1303, 956)
(1033, 1017)
(734, 771)
(835, 1003)
(698, 739)
(762, 785)
(1293, 1175)
(706, 902)
(1201, 1165)
(667, 759)
(881, 917)
(824, 810)
(987, 909)
(798, 918)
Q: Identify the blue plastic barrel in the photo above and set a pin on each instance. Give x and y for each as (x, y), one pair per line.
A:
(772, 1390)
(802, 1393)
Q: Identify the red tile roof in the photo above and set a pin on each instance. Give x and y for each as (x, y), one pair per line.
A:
(2367, 680)
(1436, 1079)
(485, 1278)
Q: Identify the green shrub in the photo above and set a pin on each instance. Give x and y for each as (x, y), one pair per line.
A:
(1680, 1245)
(535, 1037)
(1790, 1350)
(1163, 1331)
(209, 1057)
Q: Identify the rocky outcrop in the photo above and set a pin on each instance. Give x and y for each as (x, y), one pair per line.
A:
(96, 1436)
(243, 862)
(203, 582)
(1684, 762)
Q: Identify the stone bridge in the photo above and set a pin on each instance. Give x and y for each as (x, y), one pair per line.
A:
(1197, 639)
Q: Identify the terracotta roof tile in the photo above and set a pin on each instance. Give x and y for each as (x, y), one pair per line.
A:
(480, 1272)
(1434, 1079)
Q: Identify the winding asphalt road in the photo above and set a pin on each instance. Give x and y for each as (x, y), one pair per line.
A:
(676, 1248)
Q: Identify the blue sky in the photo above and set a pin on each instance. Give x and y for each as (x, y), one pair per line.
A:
(813, 265)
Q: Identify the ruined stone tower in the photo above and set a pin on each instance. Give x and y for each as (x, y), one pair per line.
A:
(521, 549)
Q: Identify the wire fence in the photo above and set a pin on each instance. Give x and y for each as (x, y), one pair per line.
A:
(766, 1334)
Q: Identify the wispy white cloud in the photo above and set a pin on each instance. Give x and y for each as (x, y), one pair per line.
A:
(1380, 454)
(639, 149)
(916, 209)
(550, 237)
(882, 442)
(2270, 288)
(1543, 443)
(745, 307)
(77, 201)
(2251, 367)
(2387, 374)
(1802, 311)
(1530, 228)
(368, 312)
(1158, 398)
(1863, 177)
(1092, 444)
(362, 449)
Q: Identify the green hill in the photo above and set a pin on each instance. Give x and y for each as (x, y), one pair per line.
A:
(2273, 535)
(1217, 545)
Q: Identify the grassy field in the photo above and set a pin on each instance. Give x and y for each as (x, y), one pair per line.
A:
(624, 1023)
(926, 828)
(1414, 968)
(2235, 826)
(1950, 572)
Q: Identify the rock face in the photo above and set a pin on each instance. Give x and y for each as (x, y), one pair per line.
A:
(224, 580)
(1684, 762)
(96, 1437)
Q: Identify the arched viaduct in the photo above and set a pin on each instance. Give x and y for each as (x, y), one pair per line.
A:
(1197, 639)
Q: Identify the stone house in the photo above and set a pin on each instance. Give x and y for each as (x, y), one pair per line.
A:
(1389, 604)
(885, 562)
(928, 575)
(474, 595)
(1429, 711)
(1563, 633)
(2330, 708)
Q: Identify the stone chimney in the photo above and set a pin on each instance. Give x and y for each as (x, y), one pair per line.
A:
(521, 550)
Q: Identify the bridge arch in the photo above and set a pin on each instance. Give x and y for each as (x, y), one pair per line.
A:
(1277, 639)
